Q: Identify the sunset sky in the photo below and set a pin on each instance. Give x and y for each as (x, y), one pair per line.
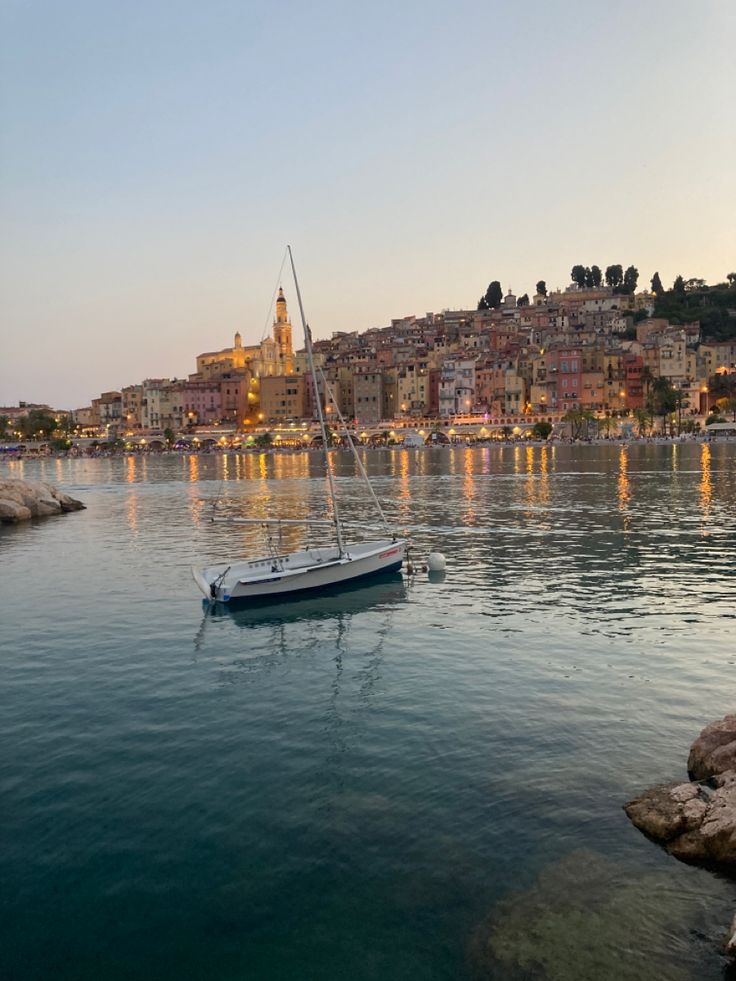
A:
(156, 158)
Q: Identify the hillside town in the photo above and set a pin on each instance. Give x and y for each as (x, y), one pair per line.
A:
(588, 351)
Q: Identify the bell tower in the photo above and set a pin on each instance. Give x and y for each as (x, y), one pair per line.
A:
(282, 335)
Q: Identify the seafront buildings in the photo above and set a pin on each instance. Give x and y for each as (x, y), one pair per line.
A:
(577, 349)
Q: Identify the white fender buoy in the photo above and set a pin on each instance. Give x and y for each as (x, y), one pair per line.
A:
(436, 562)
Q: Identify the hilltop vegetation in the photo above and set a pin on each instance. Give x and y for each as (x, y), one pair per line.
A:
(686, 301)
(693, 299)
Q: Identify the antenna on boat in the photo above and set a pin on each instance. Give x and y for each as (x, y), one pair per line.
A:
(320, 413)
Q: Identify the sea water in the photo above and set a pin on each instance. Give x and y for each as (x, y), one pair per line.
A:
(415, 779)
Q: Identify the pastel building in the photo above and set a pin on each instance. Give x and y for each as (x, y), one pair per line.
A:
(201, 402)
(283, 398)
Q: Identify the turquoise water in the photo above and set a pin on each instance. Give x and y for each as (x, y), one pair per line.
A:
(415, 780)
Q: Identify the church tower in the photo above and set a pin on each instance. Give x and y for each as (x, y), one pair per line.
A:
(282, 335)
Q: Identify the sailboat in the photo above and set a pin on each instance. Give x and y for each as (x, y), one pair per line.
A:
(326, 567)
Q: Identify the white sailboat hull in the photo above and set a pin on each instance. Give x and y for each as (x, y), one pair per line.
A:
(313, 569)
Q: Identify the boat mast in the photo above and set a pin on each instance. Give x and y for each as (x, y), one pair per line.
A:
(323, 428)
(358, 461)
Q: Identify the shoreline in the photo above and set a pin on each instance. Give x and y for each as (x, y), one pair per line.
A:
(10, 455)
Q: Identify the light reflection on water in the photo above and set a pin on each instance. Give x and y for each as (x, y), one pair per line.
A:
(358, 785)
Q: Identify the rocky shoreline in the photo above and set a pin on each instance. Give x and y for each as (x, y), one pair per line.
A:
(696, 821)
(21, 500)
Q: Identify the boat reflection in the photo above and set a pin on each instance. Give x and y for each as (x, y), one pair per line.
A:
(341, 601)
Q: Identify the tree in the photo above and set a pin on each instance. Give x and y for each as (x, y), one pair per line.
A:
(680, 400)
(731, 277)
(679, 286)
(541, 288)
(727, 404)
(523, 300)
(657, 284)
(694, 285)
(606, 424)
(4, 423)
(37, 423)
(722, 385)
(263, 440)
(542, 429)
(631, 278)
(662, 400)
(596, 275)
(647, 377)
(578, 419)
(494, 295)
(169, 436)
(577, 274)
(482, 305)
(643, 420)
(614, 276)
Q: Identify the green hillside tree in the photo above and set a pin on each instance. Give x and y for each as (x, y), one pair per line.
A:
(577, 274)
(614, 276)
(631, 278)
(494, 295)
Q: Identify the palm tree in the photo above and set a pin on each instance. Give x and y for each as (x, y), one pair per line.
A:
(680, 400)
(578, 419)
(643, 420)
(647, 378)
(605, 425)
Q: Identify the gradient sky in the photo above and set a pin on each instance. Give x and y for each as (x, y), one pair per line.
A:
(157, 156)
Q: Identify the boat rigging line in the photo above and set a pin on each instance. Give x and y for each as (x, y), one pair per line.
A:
(310, 358)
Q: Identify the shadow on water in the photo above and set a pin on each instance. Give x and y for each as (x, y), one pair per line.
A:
(338, 604)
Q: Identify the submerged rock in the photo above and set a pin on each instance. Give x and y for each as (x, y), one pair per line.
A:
(584, 919)
(21, 500)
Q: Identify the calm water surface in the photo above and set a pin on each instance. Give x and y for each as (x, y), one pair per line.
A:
(415, 780)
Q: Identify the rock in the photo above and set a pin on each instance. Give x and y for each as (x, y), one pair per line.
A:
(666, 811)
(714, 751)
(730, 944)
(24, 499)
(12, 512)
(718, 827)
(694, 823)
(45, 508)
(69, 503)
(697, 821)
